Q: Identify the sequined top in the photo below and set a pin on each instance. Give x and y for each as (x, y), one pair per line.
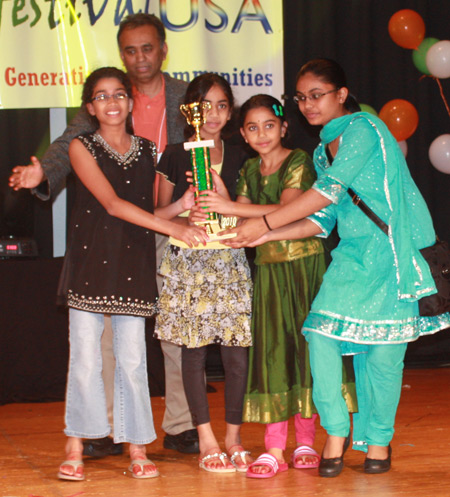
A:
(296, 172)
(109, 265)
(371, 289)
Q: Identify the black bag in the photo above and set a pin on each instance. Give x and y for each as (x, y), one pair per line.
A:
(438, 258)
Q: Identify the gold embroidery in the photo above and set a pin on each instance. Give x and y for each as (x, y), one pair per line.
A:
(288, 250)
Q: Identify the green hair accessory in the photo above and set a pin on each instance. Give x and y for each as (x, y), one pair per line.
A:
(278, 109)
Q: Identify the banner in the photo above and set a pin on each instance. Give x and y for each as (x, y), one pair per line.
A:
(48, 47)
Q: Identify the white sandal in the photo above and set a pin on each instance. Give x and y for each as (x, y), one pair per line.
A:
(75, 464)
(217, 455)
(242, 454)
(141, 463)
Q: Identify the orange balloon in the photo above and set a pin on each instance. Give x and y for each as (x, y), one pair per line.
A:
(401, 117)
(407, 28)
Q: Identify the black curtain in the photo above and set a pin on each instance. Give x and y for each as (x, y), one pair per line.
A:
(34, 344)
(23, 133)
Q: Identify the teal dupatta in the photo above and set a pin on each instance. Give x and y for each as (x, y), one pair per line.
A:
(414, 279)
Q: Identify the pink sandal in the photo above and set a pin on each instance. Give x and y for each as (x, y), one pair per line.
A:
(305, 450)
(269, 460)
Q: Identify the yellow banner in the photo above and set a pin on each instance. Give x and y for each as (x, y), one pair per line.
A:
(48, 47)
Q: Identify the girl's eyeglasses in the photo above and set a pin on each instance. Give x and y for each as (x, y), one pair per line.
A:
(103, 97)
(313, 97)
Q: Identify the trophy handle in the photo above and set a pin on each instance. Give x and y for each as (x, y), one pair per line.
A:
(205, 106)
(184, 109)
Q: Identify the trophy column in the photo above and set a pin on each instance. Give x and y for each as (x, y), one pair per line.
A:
(201, 169)
(195, 114)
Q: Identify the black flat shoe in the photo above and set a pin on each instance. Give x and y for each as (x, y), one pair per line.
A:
(331, 467)
(185, 442)
(101, 447)
(376, 466)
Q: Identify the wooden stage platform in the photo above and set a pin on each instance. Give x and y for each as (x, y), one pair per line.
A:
(32, 442)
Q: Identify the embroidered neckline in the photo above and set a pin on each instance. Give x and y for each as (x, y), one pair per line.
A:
(123, 160)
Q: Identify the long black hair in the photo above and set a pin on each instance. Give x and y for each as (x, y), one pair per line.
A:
(198, 89)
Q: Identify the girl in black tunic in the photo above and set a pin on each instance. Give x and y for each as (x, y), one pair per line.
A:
(110, 268)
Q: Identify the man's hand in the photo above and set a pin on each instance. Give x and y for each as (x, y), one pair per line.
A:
(27, 176)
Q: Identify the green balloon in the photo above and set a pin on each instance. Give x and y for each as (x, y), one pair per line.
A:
(419, 55)
(369, 109)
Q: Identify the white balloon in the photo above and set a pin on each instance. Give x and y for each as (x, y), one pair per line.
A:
(439, 153)
(404, 146)
(438, 59)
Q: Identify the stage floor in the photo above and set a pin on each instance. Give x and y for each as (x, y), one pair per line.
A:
(32, 443)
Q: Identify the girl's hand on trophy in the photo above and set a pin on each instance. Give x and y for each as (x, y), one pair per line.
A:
(236, 243)
(259, 241)
(219, 185)
(197, 215)
(214, 202)
(188, 198)
(249, 232)
(189, 177)
(191, 235)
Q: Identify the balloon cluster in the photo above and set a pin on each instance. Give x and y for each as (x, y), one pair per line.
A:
(430, 55)
(432, 58)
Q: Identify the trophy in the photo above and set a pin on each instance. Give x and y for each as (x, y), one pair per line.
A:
(195, 114)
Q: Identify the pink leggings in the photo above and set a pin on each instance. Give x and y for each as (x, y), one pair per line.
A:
(277, 433)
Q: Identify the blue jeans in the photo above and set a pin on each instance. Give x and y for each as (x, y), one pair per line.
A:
(378, 375)
(86, 413)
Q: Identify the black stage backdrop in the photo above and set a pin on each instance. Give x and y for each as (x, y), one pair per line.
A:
(34, 344)
(33, 333)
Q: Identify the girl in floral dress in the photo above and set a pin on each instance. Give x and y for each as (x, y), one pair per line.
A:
(206, 293)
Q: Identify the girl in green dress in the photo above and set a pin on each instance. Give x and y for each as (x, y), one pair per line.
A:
(288, 276)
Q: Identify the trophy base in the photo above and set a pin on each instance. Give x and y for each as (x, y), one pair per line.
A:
(215, 226)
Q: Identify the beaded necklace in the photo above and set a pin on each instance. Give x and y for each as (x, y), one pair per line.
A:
(123, 160)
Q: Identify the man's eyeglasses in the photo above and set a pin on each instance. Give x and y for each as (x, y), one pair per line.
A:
(103, 97)
(313, 97)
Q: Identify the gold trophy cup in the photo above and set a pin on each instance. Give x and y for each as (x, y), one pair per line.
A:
(195, 114)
